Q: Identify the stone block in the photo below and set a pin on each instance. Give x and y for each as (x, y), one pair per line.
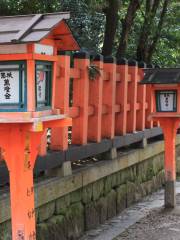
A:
(149, 186)
(62, 204)
(123, 176)
(65, 169)
(101, 207)
(107, 185)
(42, 231)
(131, 190)
(76, 196)
(111, 204)
(98, 189)
(5, 230)
(46, 211)
(178, 163)
(121, 197)
(75, 221)
(114, 180)
(111, 154)
(92, 218)
(58, 227)
(87, 193)
(140, 192)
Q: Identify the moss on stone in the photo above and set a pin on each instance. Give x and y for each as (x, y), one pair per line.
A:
(87, 193)
(62, 204)
(98, 189)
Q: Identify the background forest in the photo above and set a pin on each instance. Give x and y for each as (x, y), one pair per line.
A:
(145, 30)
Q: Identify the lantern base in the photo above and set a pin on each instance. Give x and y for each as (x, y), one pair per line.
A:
(170, 194)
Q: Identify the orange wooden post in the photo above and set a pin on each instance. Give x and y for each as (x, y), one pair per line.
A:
(20, 153)
(95, 101)
(109, 97)
(169, 127)
(20, 143)
(59, 136)
(121, 96)
(132, 96)
(141, 99)
(149, 109)
(80, 98)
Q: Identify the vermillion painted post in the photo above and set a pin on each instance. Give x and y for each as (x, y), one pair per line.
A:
(95, 102)
(165, 92)
(121, 96)
(81, 98)
(20, 142)
(141, 100)
(170, 127)
(109, 97)
(132, 96)
(59, 137)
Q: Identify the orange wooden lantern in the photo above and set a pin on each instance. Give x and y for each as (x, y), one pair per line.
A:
(28, 59)
(165, 93)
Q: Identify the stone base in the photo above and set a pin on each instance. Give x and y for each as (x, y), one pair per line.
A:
(170, 194)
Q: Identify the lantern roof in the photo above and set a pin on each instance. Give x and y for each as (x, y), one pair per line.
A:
(161, 76)
(35, 28)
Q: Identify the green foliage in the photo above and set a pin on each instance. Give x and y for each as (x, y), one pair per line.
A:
(88, 24)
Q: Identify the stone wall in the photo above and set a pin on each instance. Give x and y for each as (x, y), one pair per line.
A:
(66, 207)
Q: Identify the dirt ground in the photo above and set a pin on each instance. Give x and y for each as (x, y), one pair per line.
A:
(159, 224)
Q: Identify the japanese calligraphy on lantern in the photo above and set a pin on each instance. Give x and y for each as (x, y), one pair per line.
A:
(9, 84)
(167, 100)
(41, 86)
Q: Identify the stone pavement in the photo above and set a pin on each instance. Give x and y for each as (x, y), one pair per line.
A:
(146, 220)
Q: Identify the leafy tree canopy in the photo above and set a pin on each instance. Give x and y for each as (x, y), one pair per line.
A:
(135, 26)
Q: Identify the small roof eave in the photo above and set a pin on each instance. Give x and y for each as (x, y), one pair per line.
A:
(161, 76)
(17, 29)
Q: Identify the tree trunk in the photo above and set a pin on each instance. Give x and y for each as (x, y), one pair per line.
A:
(111, 13)
(156, 37)
(142, 48)
(127, 26)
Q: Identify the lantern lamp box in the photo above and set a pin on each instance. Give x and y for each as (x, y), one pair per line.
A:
(165, 90)
(28, 55)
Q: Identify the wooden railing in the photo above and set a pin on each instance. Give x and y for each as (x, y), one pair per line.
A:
(111, 104)
(109, 111)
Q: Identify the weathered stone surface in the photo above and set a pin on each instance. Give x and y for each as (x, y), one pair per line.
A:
(121, 197)
(131, 190)
(111, 204)
(62, 204)
(107, 185)
(76, 196)
(98, 189)
(87, 193)
(75, 221)
(101, 207)
(42, 231)
(5, 231)
(58, 227)
(158, 163)
(149, 186)
(91, 216)
(140, 191)
(114, 182)
(132, 174)
(46, 211)
(122, 176)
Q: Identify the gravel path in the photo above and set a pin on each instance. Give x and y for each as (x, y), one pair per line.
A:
(146, 220)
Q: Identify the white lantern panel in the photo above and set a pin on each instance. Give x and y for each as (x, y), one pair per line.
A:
(9, 84)
(41, 87)
(167, 100)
